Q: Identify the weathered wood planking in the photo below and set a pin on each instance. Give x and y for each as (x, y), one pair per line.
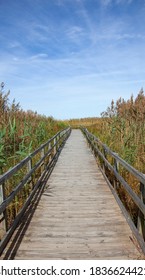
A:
(77, 216)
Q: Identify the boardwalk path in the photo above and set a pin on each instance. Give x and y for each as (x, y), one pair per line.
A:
(77, 216)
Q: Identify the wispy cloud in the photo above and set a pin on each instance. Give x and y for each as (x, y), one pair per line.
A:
(74, 31)
(124, 1)
(106, 3)
(81, 55)
(14, 44)
(39, 56)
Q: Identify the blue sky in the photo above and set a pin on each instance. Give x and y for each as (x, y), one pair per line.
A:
(70, 58)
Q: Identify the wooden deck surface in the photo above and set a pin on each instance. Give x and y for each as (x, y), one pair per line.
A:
(77, 216)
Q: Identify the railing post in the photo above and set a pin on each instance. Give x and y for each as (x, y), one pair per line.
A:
(64, 136)
(50, 152)
(90, 141)
(57, 140)
(29, 167)
(3, 216)
(93, 145)
(61, 138)
(116, 167)
(141, 217)
(87, 137)
(104, 163)
(43, 163)
(54, 142)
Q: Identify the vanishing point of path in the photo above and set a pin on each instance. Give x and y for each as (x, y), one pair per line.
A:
(77, 216)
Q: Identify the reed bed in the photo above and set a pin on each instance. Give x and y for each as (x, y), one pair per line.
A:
(122, 128)
(21, 133)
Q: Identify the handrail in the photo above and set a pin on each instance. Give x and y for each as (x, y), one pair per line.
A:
(17, 167)
(101, 151)
(130, 168)
(47, 155)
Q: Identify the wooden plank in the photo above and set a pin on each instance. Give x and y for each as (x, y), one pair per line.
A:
(77, 216)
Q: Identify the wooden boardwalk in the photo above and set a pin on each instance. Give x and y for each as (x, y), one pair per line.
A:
(77, 216)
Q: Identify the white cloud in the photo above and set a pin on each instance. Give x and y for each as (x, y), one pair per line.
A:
(75, 33)
(106, 3)
(14, 44)
(39, 56)
(123, 1)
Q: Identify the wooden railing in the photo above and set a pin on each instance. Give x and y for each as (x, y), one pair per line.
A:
(26, 178)
(111, 165)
